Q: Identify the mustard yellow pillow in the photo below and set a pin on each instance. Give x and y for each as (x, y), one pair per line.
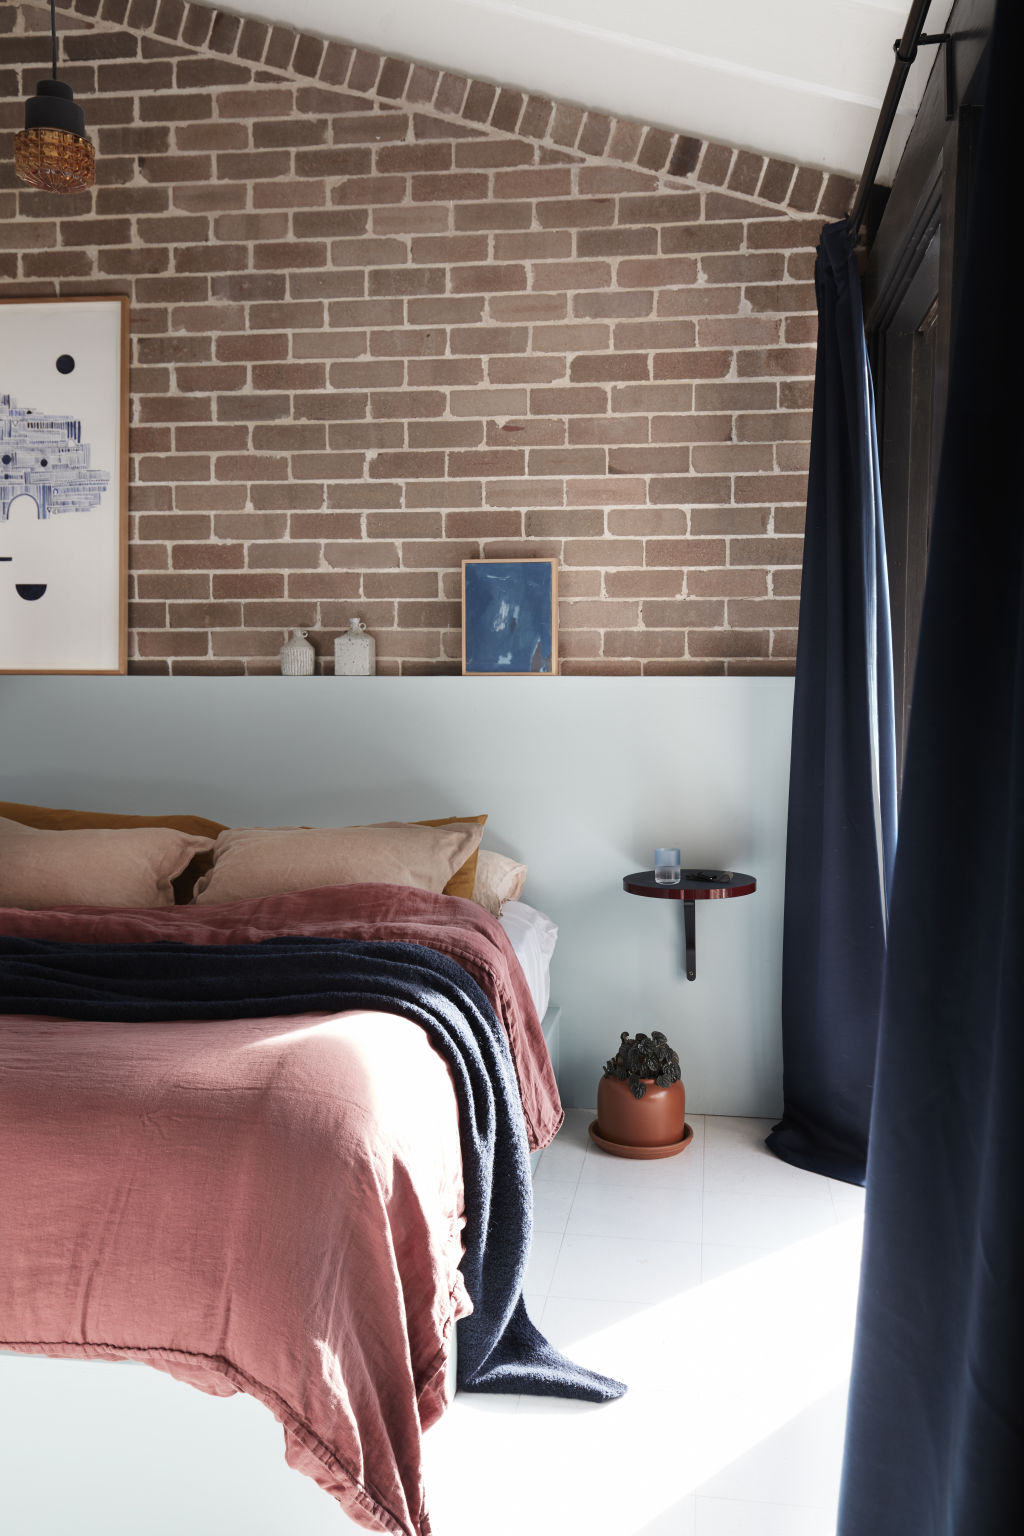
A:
(464, 878)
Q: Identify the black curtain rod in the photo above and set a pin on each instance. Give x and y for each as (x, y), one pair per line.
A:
(906, 51)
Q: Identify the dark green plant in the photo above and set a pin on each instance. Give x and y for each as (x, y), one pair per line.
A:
(646, 1056)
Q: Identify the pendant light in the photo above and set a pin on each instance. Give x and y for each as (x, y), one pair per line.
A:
(51, 151)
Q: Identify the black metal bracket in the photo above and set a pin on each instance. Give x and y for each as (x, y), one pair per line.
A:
(938, 38)
(690, 940)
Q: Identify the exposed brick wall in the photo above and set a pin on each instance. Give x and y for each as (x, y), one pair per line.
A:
(384, 318)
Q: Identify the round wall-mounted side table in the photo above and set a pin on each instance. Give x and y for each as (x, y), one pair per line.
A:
(694, 885)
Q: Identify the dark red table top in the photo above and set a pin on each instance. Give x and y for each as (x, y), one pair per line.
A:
(694, 885)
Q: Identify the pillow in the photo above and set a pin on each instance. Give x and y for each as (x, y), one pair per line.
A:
(47, 819)
(497, 879)
(263, 861)
(95, 867)
(462, 882)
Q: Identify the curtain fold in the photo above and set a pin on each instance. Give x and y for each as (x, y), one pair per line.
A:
(842, 794)
(935, 1434)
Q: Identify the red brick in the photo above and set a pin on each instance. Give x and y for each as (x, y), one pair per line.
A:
(406, 281)
(608, 367)
(533, 245)
(684, 613)
(574, 274)
(686, 428)
(207, 557)
(701, 238)
(755, 363)
(648, 461)
(576, 213)
(766, 551)
(644, 583)
(684, 552)
(612, 306)
(173, 467)
(656, 271)
(696, 364)
(596, 132)
(656, 335)
(732, 458)
(690, 490)
(617, 242)
(610, 429)
(443, 493)
(806, 189)
(565, 125)
(427, 128)
(702, 300)
(783, 234)
(374, 128)
(536, 116)
(493, 215)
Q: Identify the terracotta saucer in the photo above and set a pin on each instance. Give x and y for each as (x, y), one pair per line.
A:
(622, 1150)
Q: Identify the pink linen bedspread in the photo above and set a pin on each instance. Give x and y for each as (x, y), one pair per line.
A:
(263, 1205)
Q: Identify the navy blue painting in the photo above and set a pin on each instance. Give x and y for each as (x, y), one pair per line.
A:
(508, 617)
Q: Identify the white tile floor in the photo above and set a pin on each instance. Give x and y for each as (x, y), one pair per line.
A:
(721, 1285)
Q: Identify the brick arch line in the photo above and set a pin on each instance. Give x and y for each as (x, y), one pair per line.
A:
(479, 105)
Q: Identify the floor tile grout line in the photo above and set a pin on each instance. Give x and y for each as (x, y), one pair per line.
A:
(565, 1224)
(703, 1177)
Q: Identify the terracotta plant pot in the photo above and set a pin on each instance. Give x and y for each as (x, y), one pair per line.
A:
(656, 1120)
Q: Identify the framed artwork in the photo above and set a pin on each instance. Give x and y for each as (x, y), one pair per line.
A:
(509, 618)
(63, 485)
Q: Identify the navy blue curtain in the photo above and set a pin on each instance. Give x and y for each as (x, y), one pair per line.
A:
(935, 1436)
(842, 789)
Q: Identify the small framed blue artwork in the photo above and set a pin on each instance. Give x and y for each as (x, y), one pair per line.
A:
(509, 618)
(64, 484)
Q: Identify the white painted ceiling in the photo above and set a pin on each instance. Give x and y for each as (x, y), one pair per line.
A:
(802, 79)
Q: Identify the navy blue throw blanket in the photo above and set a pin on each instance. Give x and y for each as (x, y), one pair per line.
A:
(500, 1350)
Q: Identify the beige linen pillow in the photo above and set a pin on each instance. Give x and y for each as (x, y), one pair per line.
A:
(461, 883)
(98, 867)
(263, 861)
(498, 879)
(50, 819)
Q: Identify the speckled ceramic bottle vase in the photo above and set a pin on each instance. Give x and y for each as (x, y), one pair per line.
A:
(355, 652)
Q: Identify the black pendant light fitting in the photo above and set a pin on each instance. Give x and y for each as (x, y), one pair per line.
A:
(52, 152)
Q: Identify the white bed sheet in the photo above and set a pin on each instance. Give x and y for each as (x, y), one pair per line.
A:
(532, 935)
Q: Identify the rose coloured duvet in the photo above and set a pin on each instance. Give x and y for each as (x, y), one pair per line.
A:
(269, 1203)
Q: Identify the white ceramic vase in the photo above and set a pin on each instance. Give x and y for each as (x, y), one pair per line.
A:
(355, 652)
(298, 658)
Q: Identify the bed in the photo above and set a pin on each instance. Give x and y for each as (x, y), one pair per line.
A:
(273, 1200)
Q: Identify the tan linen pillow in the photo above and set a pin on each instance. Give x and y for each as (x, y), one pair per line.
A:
(94, 867)
(464, 878)
(263, 861)
(49, 819)
(498, 879)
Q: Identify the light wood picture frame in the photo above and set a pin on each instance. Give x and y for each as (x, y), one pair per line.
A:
(64, 484)
(510, 618)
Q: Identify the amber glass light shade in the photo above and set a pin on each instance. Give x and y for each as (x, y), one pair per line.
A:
(54, 160)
